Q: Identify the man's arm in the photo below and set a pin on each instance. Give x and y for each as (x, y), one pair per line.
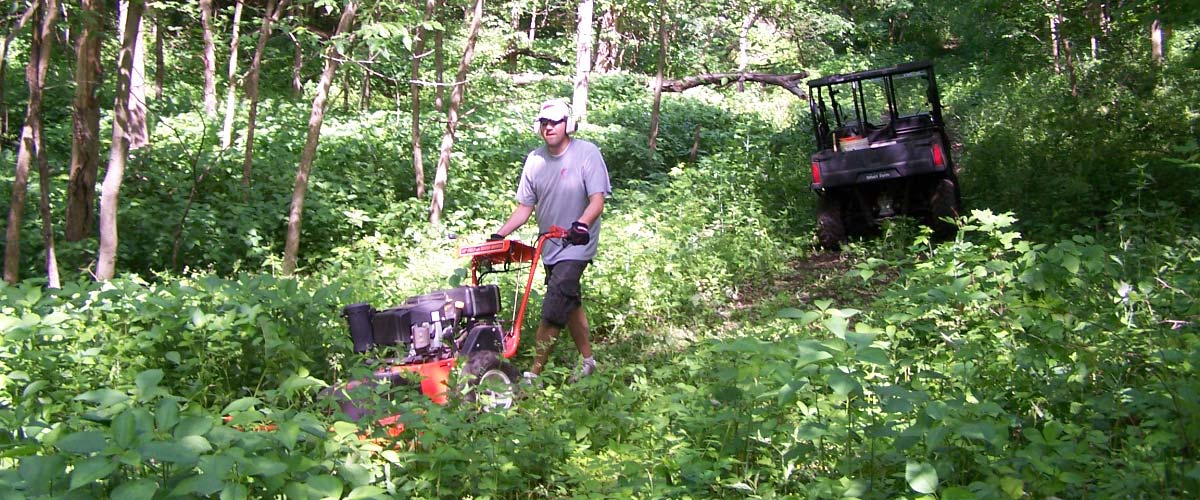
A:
(594, 208)
(518, 218)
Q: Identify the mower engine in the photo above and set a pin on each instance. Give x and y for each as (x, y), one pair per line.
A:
(433, 326)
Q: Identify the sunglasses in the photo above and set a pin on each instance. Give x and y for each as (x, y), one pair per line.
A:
(545, 122)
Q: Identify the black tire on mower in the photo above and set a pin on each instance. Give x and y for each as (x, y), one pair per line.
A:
(943, 203)
(491, 380)
(831, 227)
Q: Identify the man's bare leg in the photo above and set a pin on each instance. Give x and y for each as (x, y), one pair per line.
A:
(543, 342)
(577, 323)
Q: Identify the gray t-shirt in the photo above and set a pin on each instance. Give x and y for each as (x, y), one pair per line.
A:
(557, 187)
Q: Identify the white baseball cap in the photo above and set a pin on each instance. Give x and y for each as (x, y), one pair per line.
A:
(554, 110)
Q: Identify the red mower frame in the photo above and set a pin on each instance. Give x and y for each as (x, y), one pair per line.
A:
(468, 328)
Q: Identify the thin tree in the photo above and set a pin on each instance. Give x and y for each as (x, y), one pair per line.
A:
(583, 60)
(291, 247)
(297, 54)
(29, 145)
(138, 131)
(658, 79)
(12, 33)
(85, 111)
(264, 33)
(437, 201)
(414, 88)
(159, 64)
(231, 86)
(209, 56)
(43, 43)
(106, 261)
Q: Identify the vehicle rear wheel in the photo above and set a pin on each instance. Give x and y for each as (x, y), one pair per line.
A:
(943, 203)
(831, 228)
(491, 380)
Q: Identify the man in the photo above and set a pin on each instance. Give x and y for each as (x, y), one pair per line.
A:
(565, 183)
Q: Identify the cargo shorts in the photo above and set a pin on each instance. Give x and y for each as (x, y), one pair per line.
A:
(563, 295)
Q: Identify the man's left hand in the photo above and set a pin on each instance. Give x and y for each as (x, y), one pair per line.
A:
(579, 234)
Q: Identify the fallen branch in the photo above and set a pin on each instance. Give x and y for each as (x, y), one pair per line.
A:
(790, 81)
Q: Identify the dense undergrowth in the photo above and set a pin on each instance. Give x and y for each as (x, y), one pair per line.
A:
(1048, 351)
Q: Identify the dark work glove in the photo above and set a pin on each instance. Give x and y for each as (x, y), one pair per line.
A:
(495, 237)
(578, 235)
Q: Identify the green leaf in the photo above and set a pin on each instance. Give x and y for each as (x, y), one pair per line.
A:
(842, 384)
(921, 477)
(33, 388)
(810, 351)
(241, 405)
(325, 486)
(142, 489)
(174, 357)
(355, 474)
(103, 397)
(168, 451)
(265, 467)
(958, 493)
(82, 442)
(234, 491)
(124, 429)
(367, 491)
(195, 444)
(805, 317)
(287, 434)
(837, 325)
(147, 384)
(873, 355)
(166, 415)
(92, 470)
(193, 426)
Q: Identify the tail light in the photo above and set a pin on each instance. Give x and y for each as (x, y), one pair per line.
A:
(938, 159)
(816, 172)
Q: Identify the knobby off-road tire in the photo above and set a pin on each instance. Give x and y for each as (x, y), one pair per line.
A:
(944, 203)
(491, 380)
(831, 227)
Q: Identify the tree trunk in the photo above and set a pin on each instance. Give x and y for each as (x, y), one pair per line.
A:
(364, 89)
(106, 260)
(437, 201)
(264, 33)
(12, 33)
(159, 64)
(43, 43)
(583, 60)
(1054, 43)
(1158, 42)
(138, 131)
(439, 70)
(610, 41)
(291, 248)
(297, 57)
(658, 79)
(28, 146)
(744, 45)
(414, 88)
(85, 143)
(231, 83)
(210, 59)
(533, 12)
(789, 81)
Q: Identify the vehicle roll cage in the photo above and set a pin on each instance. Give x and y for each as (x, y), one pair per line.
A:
(857, 124)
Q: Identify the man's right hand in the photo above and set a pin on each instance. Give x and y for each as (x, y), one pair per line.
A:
(496, 237)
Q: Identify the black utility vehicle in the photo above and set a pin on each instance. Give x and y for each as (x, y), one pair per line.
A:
(883, 151)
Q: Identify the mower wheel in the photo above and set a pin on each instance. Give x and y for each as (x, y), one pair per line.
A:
(491, 380)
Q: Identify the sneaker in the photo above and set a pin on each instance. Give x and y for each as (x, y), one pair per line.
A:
(586, 369)
(529, 378)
